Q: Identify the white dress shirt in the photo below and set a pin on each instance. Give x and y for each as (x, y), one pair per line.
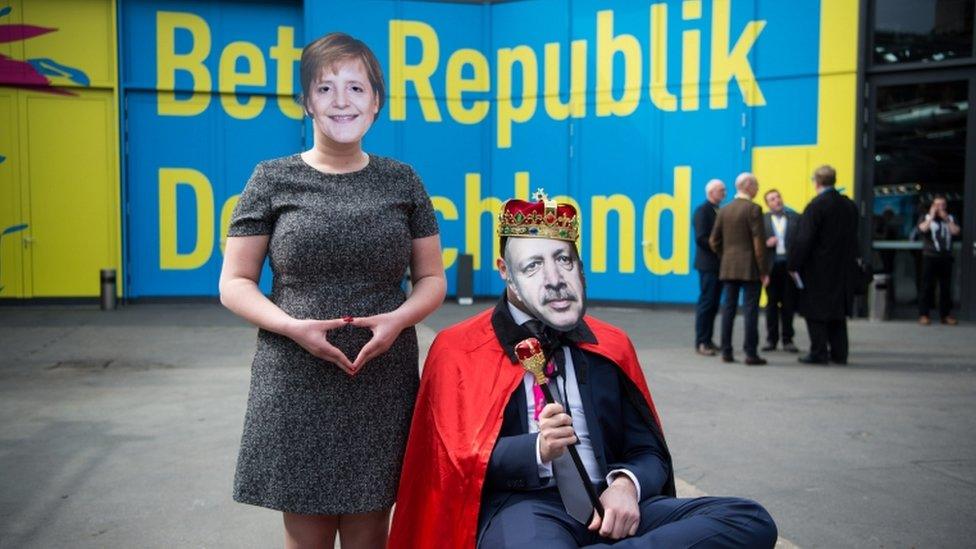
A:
(779, 230)
(585, 446)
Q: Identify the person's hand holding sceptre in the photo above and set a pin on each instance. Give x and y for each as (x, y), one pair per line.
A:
(533, 360)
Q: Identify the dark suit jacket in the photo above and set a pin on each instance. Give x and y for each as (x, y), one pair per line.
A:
(739, 240)
(825, 254)
(792, 220)
(704, 221)
(618, 428)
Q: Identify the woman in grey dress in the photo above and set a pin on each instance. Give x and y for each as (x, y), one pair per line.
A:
(335, 372)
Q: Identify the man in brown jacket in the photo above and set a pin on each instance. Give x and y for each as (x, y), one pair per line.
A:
(739, 240)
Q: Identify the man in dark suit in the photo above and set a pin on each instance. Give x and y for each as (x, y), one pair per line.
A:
(780, 223)
(488, 463)
(706, 263)
(739, 240)
(824, 255)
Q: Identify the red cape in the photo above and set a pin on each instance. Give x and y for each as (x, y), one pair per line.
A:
(466, 384)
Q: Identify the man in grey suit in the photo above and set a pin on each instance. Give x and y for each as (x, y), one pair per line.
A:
(780, 223)
(739, 240)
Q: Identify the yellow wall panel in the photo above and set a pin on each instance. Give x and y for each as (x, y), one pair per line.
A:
(11, 214)
(72, 180)
(60, 174)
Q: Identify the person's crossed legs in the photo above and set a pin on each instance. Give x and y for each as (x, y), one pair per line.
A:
(709, 522)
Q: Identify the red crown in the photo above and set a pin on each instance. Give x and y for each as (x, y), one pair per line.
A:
(540, 219)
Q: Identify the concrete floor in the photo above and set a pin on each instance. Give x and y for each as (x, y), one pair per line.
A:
(120, 429)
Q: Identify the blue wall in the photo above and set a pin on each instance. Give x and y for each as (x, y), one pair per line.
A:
(627, 158)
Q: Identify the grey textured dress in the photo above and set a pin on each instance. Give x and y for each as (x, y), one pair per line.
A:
(316, 440)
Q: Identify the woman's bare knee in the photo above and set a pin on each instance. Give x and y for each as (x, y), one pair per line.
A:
(310, 531)
(364, 530)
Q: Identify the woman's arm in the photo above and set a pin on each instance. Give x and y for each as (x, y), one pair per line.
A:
(239, 292)
(429, 288)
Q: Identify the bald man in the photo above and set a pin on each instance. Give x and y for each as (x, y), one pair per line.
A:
(740, 242)
(707, 263)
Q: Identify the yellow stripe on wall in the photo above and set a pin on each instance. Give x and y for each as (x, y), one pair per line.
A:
(789, 168)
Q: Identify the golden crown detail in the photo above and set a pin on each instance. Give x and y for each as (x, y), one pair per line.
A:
(543, 218)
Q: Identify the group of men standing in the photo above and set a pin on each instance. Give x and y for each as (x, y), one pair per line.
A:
(806, 263)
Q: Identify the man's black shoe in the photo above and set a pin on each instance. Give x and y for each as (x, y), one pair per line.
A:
(790, 348)
(713, 346)
(807, 359)
(839, 362)
(768, 347)
(728, 358)
(755, 361)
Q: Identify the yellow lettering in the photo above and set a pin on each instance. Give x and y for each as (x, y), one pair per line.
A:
(660, 96)
(230, 79)
(286, 55)
(449, 212)
(474, 208)
(456, 85)
(576, 105)
(680, 206)
(607, 47)
(579, 215)
(419, 74)
(507, 113)
(521, 185)
(728, 64)
(624, 208)
(169, 257)
(690, 57)
(168, 62)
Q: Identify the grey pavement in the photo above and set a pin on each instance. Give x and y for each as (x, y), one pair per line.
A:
(120, 429)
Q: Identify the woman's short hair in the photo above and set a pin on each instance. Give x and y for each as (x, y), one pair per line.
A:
(334, 48)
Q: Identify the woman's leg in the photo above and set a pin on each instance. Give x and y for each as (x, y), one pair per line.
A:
(310, 531)
(364, 530)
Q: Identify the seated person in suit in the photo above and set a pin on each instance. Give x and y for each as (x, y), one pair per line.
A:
(487, 463)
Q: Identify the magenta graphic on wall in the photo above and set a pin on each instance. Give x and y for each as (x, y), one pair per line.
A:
(33, 73)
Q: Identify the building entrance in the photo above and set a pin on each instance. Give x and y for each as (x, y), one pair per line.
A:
(920, 148)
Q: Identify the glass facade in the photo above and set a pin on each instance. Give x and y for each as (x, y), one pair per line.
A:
(922, 30)
(920, 71)
(920, 145)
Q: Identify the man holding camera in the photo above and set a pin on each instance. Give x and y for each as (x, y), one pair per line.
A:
(936, 229)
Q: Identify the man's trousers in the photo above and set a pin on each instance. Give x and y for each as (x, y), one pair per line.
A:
(750, 314)
(537, 520)
(780, 304)
(709, 297)
(936, 270)
(828, 339)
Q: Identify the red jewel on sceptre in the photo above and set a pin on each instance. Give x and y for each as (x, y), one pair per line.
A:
(529, 353)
